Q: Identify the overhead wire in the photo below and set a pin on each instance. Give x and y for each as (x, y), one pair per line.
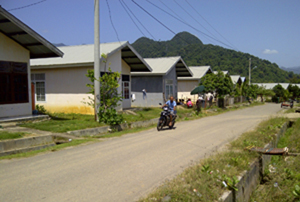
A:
(138, 20)
(210, 24)
(112, 21)
(194, 19)
(178, 16)
(189, 25)
(131, 18)
(157, 20)
(33, 4)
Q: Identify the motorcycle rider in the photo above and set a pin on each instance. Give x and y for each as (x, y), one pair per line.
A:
(172, 107)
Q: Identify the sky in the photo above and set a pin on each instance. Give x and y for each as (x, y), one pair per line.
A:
(268, 29)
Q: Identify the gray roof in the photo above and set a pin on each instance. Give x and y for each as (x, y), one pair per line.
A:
(272, 85)
(235, 78)
(198, 72)
(82, 55)
(26, 37)
(163, 65)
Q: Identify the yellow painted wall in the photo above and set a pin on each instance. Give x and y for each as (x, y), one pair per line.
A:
(12, 51)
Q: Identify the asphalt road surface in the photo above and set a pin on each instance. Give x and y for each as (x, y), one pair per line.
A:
(124, 168)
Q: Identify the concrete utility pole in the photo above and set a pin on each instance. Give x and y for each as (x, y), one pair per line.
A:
(97, 58)
(249, 71)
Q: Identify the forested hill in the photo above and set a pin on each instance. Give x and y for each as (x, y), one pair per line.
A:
(195, 53)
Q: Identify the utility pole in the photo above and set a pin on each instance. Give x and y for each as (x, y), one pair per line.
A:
(249, 71)
(97, 58)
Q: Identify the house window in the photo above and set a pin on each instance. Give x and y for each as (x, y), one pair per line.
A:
(13, 82)
(39, 80)
(126, 86)
(169, 88)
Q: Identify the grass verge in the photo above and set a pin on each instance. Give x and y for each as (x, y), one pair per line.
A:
(48, 149)
(281, 178)
(206, 180)
(4, 135)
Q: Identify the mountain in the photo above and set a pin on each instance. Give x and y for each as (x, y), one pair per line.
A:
(59, 44)
(195, 53)
(296, 70)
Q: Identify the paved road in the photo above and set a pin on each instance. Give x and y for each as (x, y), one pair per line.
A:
(124, 168)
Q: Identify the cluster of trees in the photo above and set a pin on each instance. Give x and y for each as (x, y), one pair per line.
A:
(195, 53)
(222, 85)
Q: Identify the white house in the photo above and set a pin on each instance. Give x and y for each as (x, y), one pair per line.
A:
(236, 79)
(152, 88)
(270, 86)
(187, 84)
(61, 82)
(18, 44)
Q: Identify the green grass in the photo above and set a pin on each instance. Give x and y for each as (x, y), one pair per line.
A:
(287, 172)
(61, 123)
(4, 135)
(204, 181)
(48, 149)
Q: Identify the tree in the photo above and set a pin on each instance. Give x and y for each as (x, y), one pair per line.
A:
(262, 91)
(109, 96)
(280, 93)
(295, 90)
(218, 83)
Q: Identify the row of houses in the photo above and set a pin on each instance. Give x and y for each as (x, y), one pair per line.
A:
(34, 71)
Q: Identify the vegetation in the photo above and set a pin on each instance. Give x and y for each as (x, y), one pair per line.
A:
(281, 179)
(4, 135)
(209, 178)
(195, 53)
(109, 96)
(218, 83)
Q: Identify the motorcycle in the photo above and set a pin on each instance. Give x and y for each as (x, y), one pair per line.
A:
(164, 119)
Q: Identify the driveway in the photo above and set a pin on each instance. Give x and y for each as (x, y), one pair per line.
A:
(124, 168)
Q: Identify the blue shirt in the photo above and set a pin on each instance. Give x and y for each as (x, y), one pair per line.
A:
(171, 104)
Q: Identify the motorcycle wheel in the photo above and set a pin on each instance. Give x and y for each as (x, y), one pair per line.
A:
(160, 124)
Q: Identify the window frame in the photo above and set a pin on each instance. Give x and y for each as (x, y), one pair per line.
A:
(33, 75)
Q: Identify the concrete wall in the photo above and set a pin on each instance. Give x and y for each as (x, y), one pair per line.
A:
(185, 87)
(153, 86)
(12, 51)
(66, 87)
(65, 90)
(171, 76)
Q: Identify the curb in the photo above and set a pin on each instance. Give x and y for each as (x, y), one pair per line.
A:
(105, 129)
(25, 144)
(248, 180)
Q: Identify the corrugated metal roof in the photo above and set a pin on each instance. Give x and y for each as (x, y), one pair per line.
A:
(198, 72)
(272, 85)
(224, 72)
(235, 78)
(13, 28)
(162, 65)
(84, 55)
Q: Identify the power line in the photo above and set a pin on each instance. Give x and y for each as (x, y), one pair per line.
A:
(178, 16)
(26, 6)
(138, 20)
(190, 25)
(194, 18)
(210, 24)
(131, 18)
(111, 20)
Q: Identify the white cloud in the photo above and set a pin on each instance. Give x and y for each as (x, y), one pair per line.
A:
(268, 51)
